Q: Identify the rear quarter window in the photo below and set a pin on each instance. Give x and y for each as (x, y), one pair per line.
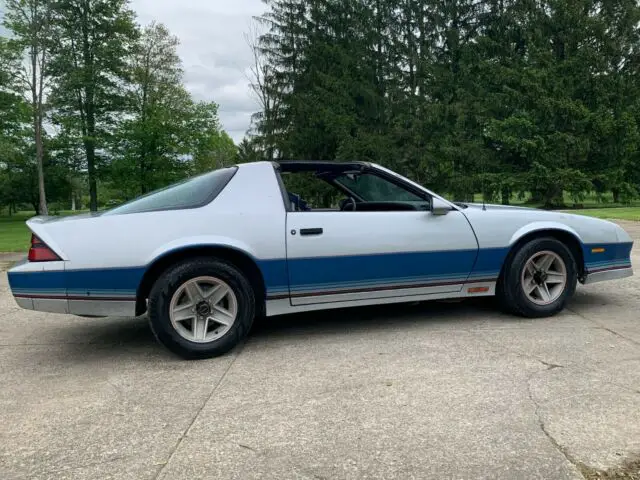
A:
(190, 193)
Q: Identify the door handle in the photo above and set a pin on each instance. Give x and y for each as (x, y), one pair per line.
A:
(311, 231)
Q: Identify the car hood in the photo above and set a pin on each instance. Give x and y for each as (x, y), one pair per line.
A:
(493, 207)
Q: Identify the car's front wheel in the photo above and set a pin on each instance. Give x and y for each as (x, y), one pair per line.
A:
(201, 308)
(540, 279)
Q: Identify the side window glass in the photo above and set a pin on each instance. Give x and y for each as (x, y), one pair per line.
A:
(372, 188)
(307, 192)
(311, 191)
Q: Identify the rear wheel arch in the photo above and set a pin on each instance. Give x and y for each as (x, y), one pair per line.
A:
(241, 260)
(572, 242)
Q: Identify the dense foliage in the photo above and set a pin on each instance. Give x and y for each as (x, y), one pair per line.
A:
(498, 96)
(535, 98)
(90, 101)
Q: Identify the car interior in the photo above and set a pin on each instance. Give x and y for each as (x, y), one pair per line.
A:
(346, 187)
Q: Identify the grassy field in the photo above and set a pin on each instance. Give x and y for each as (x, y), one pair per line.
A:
(14, 234)
(622, 213)
(591, 201)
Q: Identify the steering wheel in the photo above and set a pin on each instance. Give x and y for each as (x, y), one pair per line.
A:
(349, 205)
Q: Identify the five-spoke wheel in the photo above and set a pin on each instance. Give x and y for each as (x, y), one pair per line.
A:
(538, 278)
(201, 307)
(544, 277)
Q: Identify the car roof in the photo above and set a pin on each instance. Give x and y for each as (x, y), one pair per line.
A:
(320, 165)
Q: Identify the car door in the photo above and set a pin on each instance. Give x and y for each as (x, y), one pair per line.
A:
(335, 256)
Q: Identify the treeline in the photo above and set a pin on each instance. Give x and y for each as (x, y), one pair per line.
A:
(503, 97)
(90, 102)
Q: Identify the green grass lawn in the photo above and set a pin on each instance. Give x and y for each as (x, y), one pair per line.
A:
(591, 201)
(14, 234)
(622, 213)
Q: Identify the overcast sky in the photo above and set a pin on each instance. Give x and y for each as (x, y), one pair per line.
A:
(215, 54)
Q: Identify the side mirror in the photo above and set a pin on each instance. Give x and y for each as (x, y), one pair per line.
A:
(438, 207)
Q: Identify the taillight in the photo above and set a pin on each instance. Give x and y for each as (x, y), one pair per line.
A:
(40, 252)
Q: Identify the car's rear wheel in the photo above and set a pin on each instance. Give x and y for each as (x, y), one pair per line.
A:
(201, 308)
(540, 278)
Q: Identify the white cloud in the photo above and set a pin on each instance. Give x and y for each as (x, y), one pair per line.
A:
(213, 49)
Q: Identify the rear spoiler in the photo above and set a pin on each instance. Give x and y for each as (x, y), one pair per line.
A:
(38, 226)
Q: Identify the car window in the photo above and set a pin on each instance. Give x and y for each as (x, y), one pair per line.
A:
(190, 193)
(372, 188)
(306, 191)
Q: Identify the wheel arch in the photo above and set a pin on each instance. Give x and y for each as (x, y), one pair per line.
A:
(239, 258)
(562, 233)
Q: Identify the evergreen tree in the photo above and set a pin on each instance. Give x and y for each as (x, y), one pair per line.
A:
(502, 96)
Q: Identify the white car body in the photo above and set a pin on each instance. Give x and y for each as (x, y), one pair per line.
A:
(360, 258)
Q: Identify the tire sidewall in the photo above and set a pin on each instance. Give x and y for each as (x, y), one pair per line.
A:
(166, 286)
(513, 281)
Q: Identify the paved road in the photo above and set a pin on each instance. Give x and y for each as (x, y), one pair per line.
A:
(427, 391)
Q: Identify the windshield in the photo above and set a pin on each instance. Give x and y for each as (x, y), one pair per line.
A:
(190, 193)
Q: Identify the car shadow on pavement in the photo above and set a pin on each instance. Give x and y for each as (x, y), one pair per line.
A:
(376, 318)
(98, 340)
(105, 340)
(131, 339)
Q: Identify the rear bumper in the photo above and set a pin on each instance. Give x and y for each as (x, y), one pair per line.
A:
(605, 275)
(44, 287)
(91, 308)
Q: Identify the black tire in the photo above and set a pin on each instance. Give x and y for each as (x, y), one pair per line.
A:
(169, 282)
(510, 290)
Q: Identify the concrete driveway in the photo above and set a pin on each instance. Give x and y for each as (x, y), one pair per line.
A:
(425, 391)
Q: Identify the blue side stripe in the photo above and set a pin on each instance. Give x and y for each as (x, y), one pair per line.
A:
(608, 264)
(377, 283)
(317, 274)
(614, 255)
(362, 268)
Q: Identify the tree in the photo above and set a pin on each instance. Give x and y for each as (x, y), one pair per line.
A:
(248, 151)
(90, 66)
(149, 142)
(167, 135)
(211, 147)
(30, 23)
(264, 87)
(498, 96)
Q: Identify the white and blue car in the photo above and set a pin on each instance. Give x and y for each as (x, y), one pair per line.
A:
(206, 256)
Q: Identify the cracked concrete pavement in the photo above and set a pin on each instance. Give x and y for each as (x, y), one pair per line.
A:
(435, 390)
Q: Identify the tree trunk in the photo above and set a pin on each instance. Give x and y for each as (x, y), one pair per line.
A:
(36, 106)
(616, 195)
(143, 184)
(89, 90)
(91, 163)
(40, 158)
(506, 195)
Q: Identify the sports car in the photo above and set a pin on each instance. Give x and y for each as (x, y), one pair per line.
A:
(204, 257)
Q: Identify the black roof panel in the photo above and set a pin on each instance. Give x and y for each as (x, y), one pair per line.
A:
(319, 166)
